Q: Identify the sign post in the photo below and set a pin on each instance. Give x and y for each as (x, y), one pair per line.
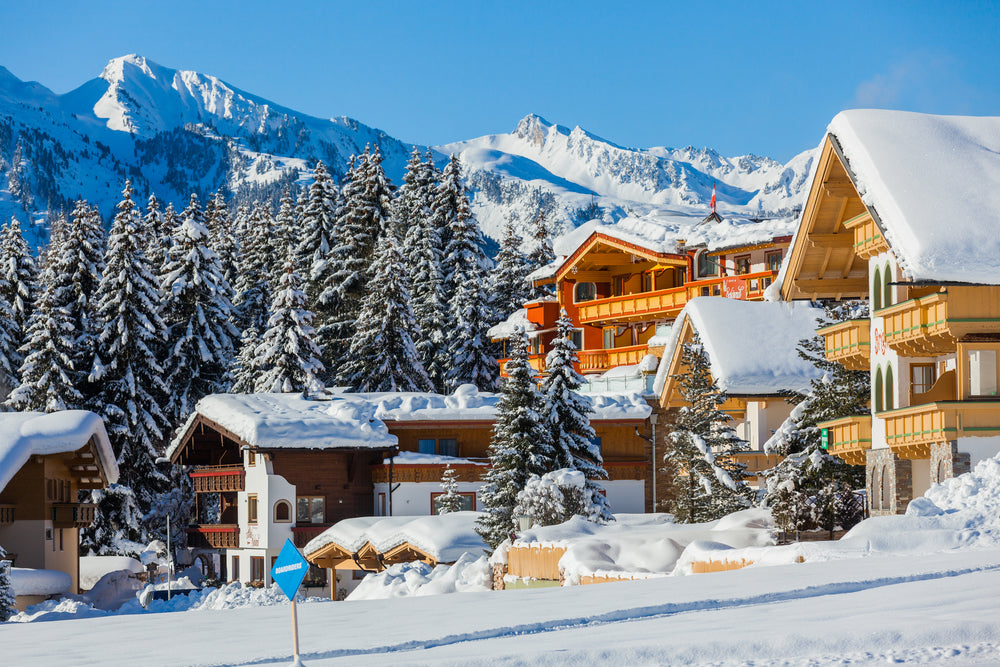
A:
(288, 572)
(824, 438)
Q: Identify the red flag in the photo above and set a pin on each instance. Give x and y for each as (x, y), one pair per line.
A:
(713, 198)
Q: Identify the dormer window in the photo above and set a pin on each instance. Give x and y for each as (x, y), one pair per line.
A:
(584, 292)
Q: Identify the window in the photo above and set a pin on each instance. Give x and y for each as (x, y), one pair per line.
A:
(447, 447)
(647, 282)
(251, 458)
(619, 285)
(468, 501)
(877, 290)
(236, 569)
(890, 396)
(61, 542)
(584, 292)
(922, 377)
(742, 263)
(983, 372)
(309, 509)
(315, 577)
(707, 265)
(282, 511)
(425, 446)
(535, 345)
(886, 286)
(773, 261)
(257, 569)
(878, 390)
(609, 339)
(252, 508)
(57, 491)
(576, 335)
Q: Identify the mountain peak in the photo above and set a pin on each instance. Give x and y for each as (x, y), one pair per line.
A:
(116, 68)
(533, 128)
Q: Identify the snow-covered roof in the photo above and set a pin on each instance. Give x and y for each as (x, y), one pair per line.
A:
(546, 272)
(751, 344)
(27, 434)
(933, 182)
(517, 320)
(444, 537)
(420, 459)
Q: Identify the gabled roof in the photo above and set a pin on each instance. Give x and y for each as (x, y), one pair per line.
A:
(751, 345)
(27, 434)
(928, 182)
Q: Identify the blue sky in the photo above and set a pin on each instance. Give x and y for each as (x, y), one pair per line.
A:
(741, 77)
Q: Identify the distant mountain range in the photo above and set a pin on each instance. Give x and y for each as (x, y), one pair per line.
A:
(174, 132)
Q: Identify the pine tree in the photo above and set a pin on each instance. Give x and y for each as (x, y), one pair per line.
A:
(7, 608)
(450, 500)
(18, 278)
(118, 528)
(708, 480)
(318, 230)
(565, 415)
(288, 355)
(198, 314)
(508, 282)
(130, 388)
(541, 254)
(810, 487)
(286, 232)
(253, 282)
(222, 239)
(154, 227)
(382, 355)
(519, 447)
(245, 371)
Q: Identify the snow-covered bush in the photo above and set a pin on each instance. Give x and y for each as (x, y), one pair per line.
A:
(555, 497)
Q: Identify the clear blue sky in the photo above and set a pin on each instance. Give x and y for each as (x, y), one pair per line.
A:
(736, 76)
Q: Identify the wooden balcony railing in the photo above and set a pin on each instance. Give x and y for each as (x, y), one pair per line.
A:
(849, 437)
(911, 431)
(849, 343)
(668, 303)
(302, 534)
(73, 515)
(602, 360)
(217, 479)
(868, 240)
(931, 325)
(757, 462)
(536, 361)
(6, 515)
(214, 536)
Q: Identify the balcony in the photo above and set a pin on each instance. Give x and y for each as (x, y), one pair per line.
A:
(668, 303)
(757, 462)
(849, 438)
(302, 534)
(911, 431)
(602, 360)
(214, 536)
(932, 325)
(6, 515)
(73, 515)
(849, 343)
(868, 240)
(536, 361)
(217, 479)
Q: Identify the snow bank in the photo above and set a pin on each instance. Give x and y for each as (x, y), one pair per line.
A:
(39, 582)
(443, 537)
(468, 575)
(466, 402)
(25, 434)
(618, 406)
(751, 344)
(93, 568)
(932, 182)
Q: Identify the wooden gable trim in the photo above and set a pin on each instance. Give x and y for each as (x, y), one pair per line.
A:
(598, 238)
(201, 422)
(670, 396)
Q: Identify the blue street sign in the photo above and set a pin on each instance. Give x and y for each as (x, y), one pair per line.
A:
(289, 569)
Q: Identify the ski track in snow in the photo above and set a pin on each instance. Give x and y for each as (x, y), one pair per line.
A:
(929, 654)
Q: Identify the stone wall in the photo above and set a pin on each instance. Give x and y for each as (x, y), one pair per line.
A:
(889, 480)
(947, 461)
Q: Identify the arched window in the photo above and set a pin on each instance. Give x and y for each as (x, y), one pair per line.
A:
(877, 290)
(282, 512)
(584, 292)
(878, 390)
(886, 500)
(887, 286)
(889, 402)
(942, 470)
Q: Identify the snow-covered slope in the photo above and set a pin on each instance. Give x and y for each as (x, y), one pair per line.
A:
(174, 132)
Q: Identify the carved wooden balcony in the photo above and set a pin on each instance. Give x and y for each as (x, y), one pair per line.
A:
(868, 240)
(932, 325)
(602, 360)
(634, 307)
(6, 515)
(849, 343)
(214, 536)
(72, 515)
(849, 438)
(217, 479)
(911, 431)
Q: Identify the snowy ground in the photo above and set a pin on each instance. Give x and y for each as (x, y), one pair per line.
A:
(941, 608)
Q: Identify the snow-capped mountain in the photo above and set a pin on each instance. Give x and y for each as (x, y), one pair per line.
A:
(174, 132)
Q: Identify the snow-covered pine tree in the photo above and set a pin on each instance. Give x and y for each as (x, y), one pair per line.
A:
(422, 249)
(286, 233)
(253, 282)
(130, 388)
(162, 238)
(557, 496)
(287, 356)
(508, 285)
(153, 227)
(565, 415)
(118, 528)
(541, 253)
(244, 373)
(382, 355)
(465, 267)
(450, 500)
(519, 447)
(198, 314)
(708, 481)
(222, 239)
(810, 487)
(318, 225)
(7, 608)
(18, 282)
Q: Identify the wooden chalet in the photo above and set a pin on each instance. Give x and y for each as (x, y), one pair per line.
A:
(45, 460)
(902, 211)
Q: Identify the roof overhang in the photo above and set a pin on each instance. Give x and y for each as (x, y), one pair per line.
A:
(602, 256)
